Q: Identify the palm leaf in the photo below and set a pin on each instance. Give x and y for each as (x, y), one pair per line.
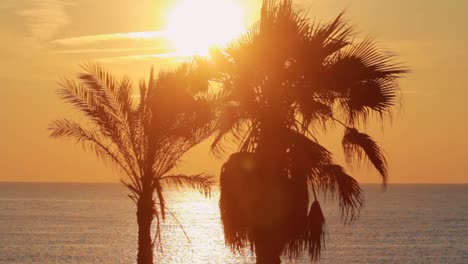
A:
(335, 181)
(237, 174)
(93, 141)
(232, 121)
(315, 231)
(359, 145)
(200, 182)
(364, 79)
(307, 153)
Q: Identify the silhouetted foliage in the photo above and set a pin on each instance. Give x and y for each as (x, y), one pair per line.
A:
(143, 134)
(286, 80)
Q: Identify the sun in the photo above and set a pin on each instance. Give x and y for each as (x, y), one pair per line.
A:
(194, 26)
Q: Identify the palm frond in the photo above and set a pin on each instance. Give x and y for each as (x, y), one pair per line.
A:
(308, 154)
(95, 101)
(328, 38)
(316, 161)
(335, 181)
(237, 174)
(102, 85)
(84, 101)
(231, 120)
(313, 111)
(200, 182)
(95, 142)
(315, 231)
(365, 79)
(359, 145)
(298, 208)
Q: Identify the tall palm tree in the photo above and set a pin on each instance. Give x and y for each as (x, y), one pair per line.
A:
(143, 137)
(287, 80)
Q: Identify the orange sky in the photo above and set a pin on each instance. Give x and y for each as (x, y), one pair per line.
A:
(42, 40)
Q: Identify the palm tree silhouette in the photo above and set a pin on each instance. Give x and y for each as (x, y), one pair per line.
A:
(286, 80)
(143, 137)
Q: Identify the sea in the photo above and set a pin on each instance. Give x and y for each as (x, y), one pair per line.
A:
(96, 223)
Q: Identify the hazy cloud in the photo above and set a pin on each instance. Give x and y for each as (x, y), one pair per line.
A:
(130, 45)
(93, 39)
(106, 50)
(173, 55)
(45, 17)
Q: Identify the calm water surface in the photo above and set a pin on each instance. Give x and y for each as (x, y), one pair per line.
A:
(95, 223)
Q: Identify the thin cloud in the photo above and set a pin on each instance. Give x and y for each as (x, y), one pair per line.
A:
(174, 55)
(92, 39)
(45, 17)
(110, 50)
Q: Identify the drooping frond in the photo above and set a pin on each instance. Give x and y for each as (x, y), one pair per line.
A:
(200, 182)
(238, 173)
(70, 129)
(313, 111)
(298, 208)
(359, 145)
(315, 231)
(308, 154)
(92, 140)
(328, 177)
(334, 180)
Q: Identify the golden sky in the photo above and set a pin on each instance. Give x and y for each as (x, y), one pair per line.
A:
(44, 40)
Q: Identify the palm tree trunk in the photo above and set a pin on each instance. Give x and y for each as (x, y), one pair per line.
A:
(269, 239)
(145, 218)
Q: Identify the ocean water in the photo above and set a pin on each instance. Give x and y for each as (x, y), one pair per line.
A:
(95, 223)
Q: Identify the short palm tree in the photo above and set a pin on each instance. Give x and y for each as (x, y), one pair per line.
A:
(287, 80)
(144, 137)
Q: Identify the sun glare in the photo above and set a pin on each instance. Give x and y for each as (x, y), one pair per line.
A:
(194, 26)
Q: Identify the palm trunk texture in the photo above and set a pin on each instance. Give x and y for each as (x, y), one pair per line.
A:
(145, 218)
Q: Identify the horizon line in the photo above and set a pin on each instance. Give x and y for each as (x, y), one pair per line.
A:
(114, 182)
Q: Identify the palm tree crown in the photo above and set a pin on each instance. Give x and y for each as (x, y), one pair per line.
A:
(286, 80)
